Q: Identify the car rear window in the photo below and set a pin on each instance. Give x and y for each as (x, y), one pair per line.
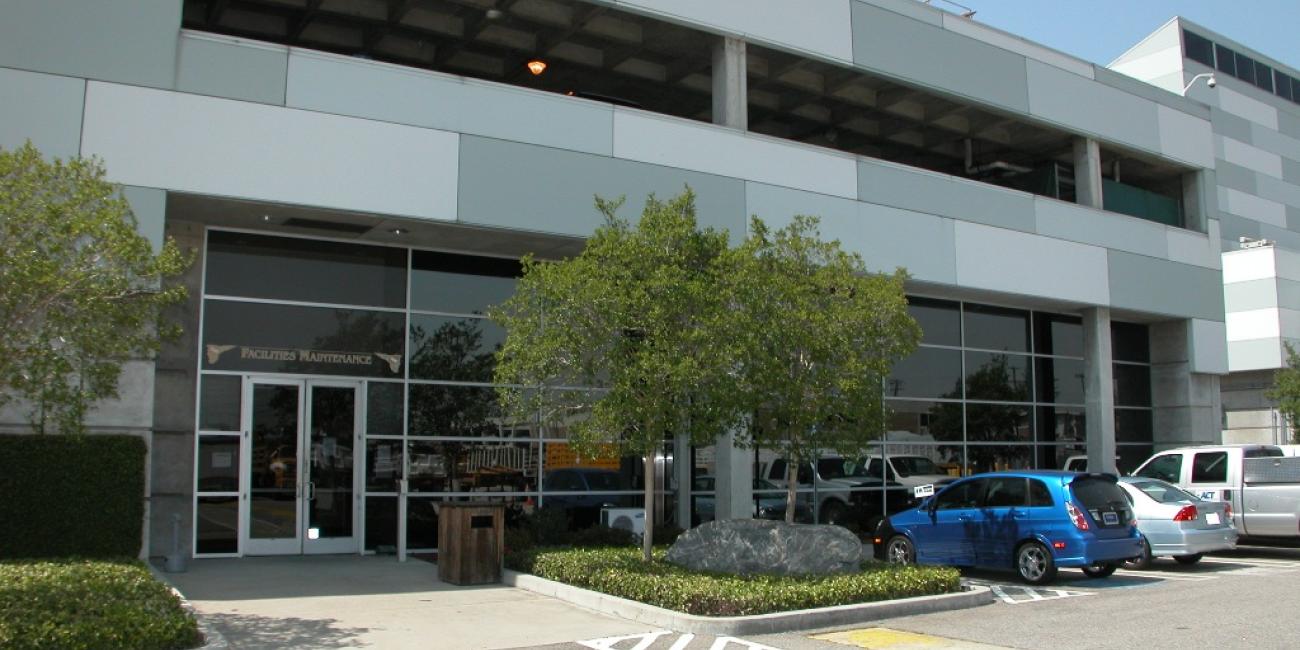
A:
(1210, 467)
(1162, 492)
(1096, 493)
(1264, 452)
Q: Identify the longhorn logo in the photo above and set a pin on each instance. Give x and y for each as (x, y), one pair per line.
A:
(215, 352)
(394, 360)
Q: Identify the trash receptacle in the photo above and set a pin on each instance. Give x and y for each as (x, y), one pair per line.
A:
(471, 542)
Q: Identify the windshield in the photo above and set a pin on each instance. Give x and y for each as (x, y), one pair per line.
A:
(829, 468)
(603, 481)
(913, 465)
(1096, 493)
(1162, 492)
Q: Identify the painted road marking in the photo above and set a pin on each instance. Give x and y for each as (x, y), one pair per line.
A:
(1021, 594)
(883, 638)
(644, 641)
(608, 643)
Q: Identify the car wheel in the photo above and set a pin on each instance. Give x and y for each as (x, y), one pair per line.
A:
(1142, 561)
(900, 550)
(1189, 559)
(1100, 570)
(833, 513)
(1034, 563)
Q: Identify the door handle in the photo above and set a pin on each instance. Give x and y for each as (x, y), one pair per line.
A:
(311, 491)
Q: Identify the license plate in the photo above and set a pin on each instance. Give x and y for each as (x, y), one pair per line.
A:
(1212, 518)
(1109, 518)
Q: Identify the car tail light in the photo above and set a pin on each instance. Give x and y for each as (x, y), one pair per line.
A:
(1227, 511)
(1188, 513)
(1076, 516)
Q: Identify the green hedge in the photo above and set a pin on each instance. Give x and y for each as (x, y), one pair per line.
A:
(621, 572)
(90, 604)
(64, 496)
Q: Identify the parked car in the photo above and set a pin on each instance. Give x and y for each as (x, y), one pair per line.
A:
(1032, 522)
(769, 501)
(1259, 481)
(846, 493)
(582, 492)
(909, 470)
(1175, 522)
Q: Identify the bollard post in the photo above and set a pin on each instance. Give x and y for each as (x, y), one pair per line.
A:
(176, 561)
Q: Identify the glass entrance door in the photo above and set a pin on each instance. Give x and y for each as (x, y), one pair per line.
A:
(300, 479)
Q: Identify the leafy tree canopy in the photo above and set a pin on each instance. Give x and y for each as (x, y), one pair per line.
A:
(81, 290)
(1286, 390)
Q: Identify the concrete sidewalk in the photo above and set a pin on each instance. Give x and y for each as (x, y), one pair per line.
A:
(375, 602)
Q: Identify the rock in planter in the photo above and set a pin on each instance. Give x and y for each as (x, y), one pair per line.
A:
(748, 546)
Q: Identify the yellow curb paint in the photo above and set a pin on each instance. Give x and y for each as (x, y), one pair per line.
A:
(880, 638)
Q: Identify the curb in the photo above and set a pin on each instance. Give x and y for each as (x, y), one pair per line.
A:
(212, 639)
(804, 619)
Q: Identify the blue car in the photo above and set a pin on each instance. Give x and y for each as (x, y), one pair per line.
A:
(1031, 521)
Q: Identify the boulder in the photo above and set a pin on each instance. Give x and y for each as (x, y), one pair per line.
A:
(749, 546)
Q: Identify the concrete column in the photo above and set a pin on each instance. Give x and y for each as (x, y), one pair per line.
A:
(1087, 172)
(735, 480)
(1188, 405)
(730, 85)
(682, 477)
(1099, 389)
(1196, 202)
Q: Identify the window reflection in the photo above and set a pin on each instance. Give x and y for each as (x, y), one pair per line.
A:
(471, 466)
(455, 349)
(997, 377)
(927, 372)
(996, 328)
(1060, 380)
(460, 284)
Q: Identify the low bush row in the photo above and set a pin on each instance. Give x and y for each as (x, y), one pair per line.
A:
(90, 604)
(620, 571)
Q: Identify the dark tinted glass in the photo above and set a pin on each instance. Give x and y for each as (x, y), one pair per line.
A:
(260, 337)
(1166, 468)
(1210, 467)
(219, 398)
(1226, 59)
(383, 465)
(1059, 335)
(1057, 456)
(995, 328)
(926, 420)
(1295, 90)
(1131, 456)
(455, 411)
(1198, 48)
(1006, 492)
(384, 409)
(998, 377)
(1059, 380)
(217, 523)
(927, 372)
(1039, 495)
(998, 423)
(452, 348)
(218, 469)
(1129, 342)
(381, 524)
(1132, 385)
(1282, 85)
(422, 522)
(940, 320)
(1245, 68)
(993, 458)
(1133, 425)
(1263, 76)
(307, 270)
(460, 284)
(967, 494)
(1096, 493)
(1056, 424)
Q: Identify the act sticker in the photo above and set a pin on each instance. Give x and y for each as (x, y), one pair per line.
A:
(923, 490)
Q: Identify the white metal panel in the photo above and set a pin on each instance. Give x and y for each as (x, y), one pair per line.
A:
(1190, 247)
(1092, 107)
(821, 27)
(726, 152)
(207, 145)
(1185, 137)
(1252, 207)
(1034, 265)
(1260, 354)
(1087, 225)
(1247, 107)
(1209, 347)
(1250, 157)
(1248, 265)
(1153, 65)
(1013, 43)
(1254, 324)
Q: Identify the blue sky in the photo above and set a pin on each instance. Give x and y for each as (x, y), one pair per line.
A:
(1100, 30)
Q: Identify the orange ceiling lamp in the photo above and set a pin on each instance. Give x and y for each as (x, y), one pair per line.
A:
(536, 66)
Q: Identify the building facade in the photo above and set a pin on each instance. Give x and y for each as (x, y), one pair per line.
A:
(360, 177)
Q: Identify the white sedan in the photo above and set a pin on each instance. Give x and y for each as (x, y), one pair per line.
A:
(1176, 523)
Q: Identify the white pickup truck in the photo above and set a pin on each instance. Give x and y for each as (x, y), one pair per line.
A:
(1260, 483)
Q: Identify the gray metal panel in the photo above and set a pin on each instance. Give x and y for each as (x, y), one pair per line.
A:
(226, 68)
(1293, 218)
(150, 208)
(1146, 90)
(1225, 123)
(909, 8)
(1253, 294)
(1276, 189)
(1163, 287)
(129, 42)
(1291, 170)
(1285, 238)
(1085, 105)
(1271, 470)
(43, 108)
(1288, 123)
(1235, 176)
(1233, 227)
(1274, 142)
(513, 185)
(1091, 226)
(933, 193)
(922, 53)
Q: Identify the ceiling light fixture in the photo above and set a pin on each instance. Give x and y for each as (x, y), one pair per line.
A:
(536, 66)
(494, 14)
(266, 218)
(398, 231)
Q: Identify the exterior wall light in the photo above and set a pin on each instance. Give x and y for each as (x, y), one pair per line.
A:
(536, 66)
(1210, 81)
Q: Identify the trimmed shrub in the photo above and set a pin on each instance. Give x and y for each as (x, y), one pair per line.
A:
(84, 604)
(66, 496)
(621, 572)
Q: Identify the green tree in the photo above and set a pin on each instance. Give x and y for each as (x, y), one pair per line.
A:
(627, 343)
(1286, 391)
(819, 334)
(81, 290)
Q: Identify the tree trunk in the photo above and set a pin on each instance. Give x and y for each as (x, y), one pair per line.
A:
(647, 538)
(791, 487)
